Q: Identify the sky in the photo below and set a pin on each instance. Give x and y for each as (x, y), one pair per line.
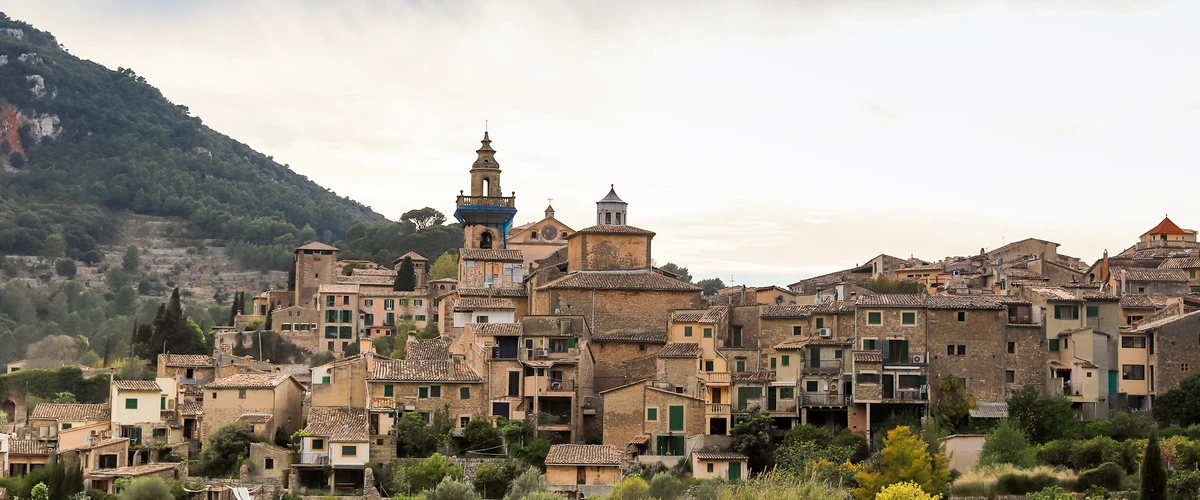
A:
(763, 142)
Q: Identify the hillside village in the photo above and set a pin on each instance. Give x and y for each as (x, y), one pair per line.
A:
(616, 362)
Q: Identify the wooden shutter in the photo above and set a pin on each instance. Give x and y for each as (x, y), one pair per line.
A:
(676, 418)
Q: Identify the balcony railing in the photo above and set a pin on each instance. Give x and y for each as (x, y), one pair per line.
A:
(313, 459)
(565, 385)
(823, 366)
(487, 201)
(907, 395)
(823, 399)
(553, 419)
(716, 378)
(719, 408)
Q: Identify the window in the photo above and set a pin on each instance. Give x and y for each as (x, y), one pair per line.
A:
(708, 366)
(687, 331)
(961, 350)
(875, 318)
(1133, 372)
(389, 318)
(737, 336)
(1053, 345)
(160, 432)
(66, 426)
(708, 333)
(329, 300)
(908, 318)
(318, 444)
(389, 304)
(909, 381)
(481, 319)
(422, 393)
(464, 393)
(820, 322)
(1066, 312)
(868, 378)
(811, 386)
(435, 391)
(269, 463)
(331, 346)
(785, 359)
(325, 380)
(388, 390)
(837, 354)
(710, 467)
(1191, 273)
(1183, 367)
(772, 363)
(1141, 289)
(1133, 342)
(1093, 311)
(740, 365)
(1010, 376)
(797, 330)
(417, 302)
(652, 414)
(962, 316)
(1012, 347)
(870, 344)
(131, 403)
(641, 347)
(345, 300)
(347, 316)
(345, 332)
(331, 333)
(162, 403)
(349, 451)
(214, 395)
(108, 461)
(786, 393)
(241, 394)
(420, 317)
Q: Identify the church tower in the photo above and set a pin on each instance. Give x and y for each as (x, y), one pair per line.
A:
(611, 211)
(486, 214)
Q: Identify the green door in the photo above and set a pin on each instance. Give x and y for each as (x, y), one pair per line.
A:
(676, 418)
(814, 357)
(1113, 387)
(661, 442)
(135, 436)
(735, 471)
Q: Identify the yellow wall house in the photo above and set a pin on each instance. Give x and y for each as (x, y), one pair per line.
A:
(731, 466)
(68, 423)
(136, 407)
(336, 439)
(266, 400)
(583, 469)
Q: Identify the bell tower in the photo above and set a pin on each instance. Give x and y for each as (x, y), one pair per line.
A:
(612, 210)
(486, 214)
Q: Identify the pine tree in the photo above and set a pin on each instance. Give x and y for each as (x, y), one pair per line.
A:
(1154, 477)
(406, 277)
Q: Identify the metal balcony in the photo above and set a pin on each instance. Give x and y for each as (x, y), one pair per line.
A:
(825, 366)
(487, 201)
(313, 458)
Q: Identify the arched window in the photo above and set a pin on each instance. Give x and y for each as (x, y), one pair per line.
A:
(485, 240)
(486, 187)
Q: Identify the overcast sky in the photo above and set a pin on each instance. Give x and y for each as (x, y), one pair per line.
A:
(767, 141)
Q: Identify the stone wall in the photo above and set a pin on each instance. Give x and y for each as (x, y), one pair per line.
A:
(619, 363)
(984, 361)
(610, 311)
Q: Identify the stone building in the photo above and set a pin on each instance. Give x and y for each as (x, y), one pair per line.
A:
(538, 240)
(316, 265)
(269, 401)
(649, 420)
(335, 450)
(67, 424)
(1156, 356)
(1142, 281)
(425, 386)
(583, 470)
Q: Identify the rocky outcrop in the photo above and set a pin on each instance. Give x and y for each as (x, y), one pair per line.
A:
(40, 126)
(31, 59)
(39, 85)
(13, 33)
(3, 60)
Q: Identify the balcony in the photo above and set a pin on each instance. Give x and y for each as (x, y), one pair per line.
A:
(914, 395)
(544, 385)
(718, 409)
(823, 399)
(487, 201)
(321, 458)
(716, 378)
(824, 366)
(553, 420)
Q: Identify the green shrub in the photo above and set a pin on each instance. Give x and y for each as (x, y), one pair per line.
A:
(1109, 476)
(1183, 484)
(1020, 484)
(1057, 453)
(1098, 428)
(1051, 493)
(665, 486)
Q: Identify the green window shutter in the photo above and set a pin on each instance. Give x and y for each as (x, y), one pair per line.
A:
(1058, 312)
(1053, 345)
(687, 331)
(922, 380)
(652, 414)
(676, 418)
(1074, 312)
(837, 354)
(464, 393)
(811, 385)
(423, 393)
(661, 443)
(708, 333)
(820, 322)
(904, 351)
(162, 403)
(514, 384)
(388, 390)
(328, 301)
(858, 378)
(909, 318)
(1113, 386)
(572, 343)
(786, 359)
(874, 318)
(318, 444)
(887, 350)
(741, 366)
(135, 435)
(787, 393)
(130, 404)
(737, 336)
(772, 363)
(349, 451)
(1093, 311)
(68, 426)
(325, 380)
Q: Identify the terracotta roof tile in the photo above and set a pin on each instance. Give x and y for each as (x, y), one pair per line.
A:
(511, 291)
(631, 280)
(191, 408)
(340, 424)
(892, 300)
(1149, 274)
(614, 230)
(429, 349)
(316, 245)
(187, 360)
(363, 279)
(638, 337)
(1055, 293)
(341, 289)
(70, 412)
(137, 385)
(99, 443)
(584, 454)
(416, 257)
(802, 342)
(680, 350)
(491, 254)
(759, 376)
(785, 312)
(723, 456)
(250, 381)
(1019, 273)
(493, 329)
(1144, 301)
(966, 302)
(134, 470)
(1181, 263)
(483, 303)
(868, 357)
(256, 418)
(423, 371)
(1166, 227)
(27, 447)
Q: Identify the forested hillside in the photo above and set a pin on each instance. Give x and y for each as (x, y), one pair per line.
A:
(80, 144)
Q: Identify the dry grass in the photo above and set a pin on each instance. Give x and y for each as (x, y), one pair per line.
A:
(982, 482)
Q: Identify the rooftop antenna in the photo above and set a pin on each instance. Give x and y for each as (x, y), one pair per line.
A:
(485, 126)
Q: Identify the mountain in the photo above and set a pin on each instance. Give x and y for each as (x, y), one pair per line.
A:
(81, 144)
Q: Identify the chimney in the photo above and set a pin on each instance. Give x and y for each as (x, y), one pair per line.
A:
(1124, 283)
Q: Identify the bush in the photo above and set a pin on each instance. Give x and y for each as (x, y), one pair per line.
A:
(1108, 475)
(226, 448)
(146, 488)
(705, 491)
(1006, 444)
(450, 489)
(528, 483)
(492, 480)
(65, 268)
(1183, 484)
(1020, 484)
(1098, 428)
(904, 491)
(630, 488)
(848, 439)
(1051, 493)
(808, 432)
(665, 486)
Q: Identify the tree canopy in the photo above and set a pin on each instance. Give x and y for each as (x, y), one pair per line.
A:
(406, 276)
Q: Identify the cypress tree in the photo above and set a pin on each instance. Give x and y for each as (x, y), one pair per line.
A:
(237, 296)
(292, 276)
(406, 277)
(1154, 477)
(270, 313)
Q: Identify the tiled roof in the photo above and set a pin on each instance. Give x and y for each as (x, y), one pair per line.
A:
(584, 454)
(1100, 297)
(990, 410)
(1019, 273)
(639, 337)
(316, 245)
(1158, 323)
(423, 371)
(416, 257)
(345, 289)
(256, 418)
(137, 385)
(429, 349)
(494, 329)
(1148, 274)
(784, 312)
(1144, 301)
(444, 280)
(27, 447)
(1166, 227)
(134, 471)
(868, 357)
(1181, 263)
(710, 315)
(1055, 293)
(936, 266)
(892, 300)
(723, 456)
(483, 303)
(966, 302)
(631, 280)
(381, 403)
(680, 350)
(249, 381)
(1087, 364)
(838, 306)
(614, 230)
(187, 360)
(191, 408)
(99, 443)
(509, 291)
(759, 376)
(340, 424)
(493, 254)
(70, 412)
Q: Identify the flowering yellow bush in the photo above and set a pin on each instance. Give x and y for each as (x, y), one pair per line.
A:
(907, 490)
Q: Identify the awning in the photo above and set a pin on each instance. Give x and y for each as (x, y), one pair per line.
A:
(640, 440)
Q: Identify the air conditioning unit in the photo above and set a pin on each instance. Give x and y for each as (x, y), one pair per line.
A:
(556, 386)
(825, 332)
(542, 353)
(918, 359)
